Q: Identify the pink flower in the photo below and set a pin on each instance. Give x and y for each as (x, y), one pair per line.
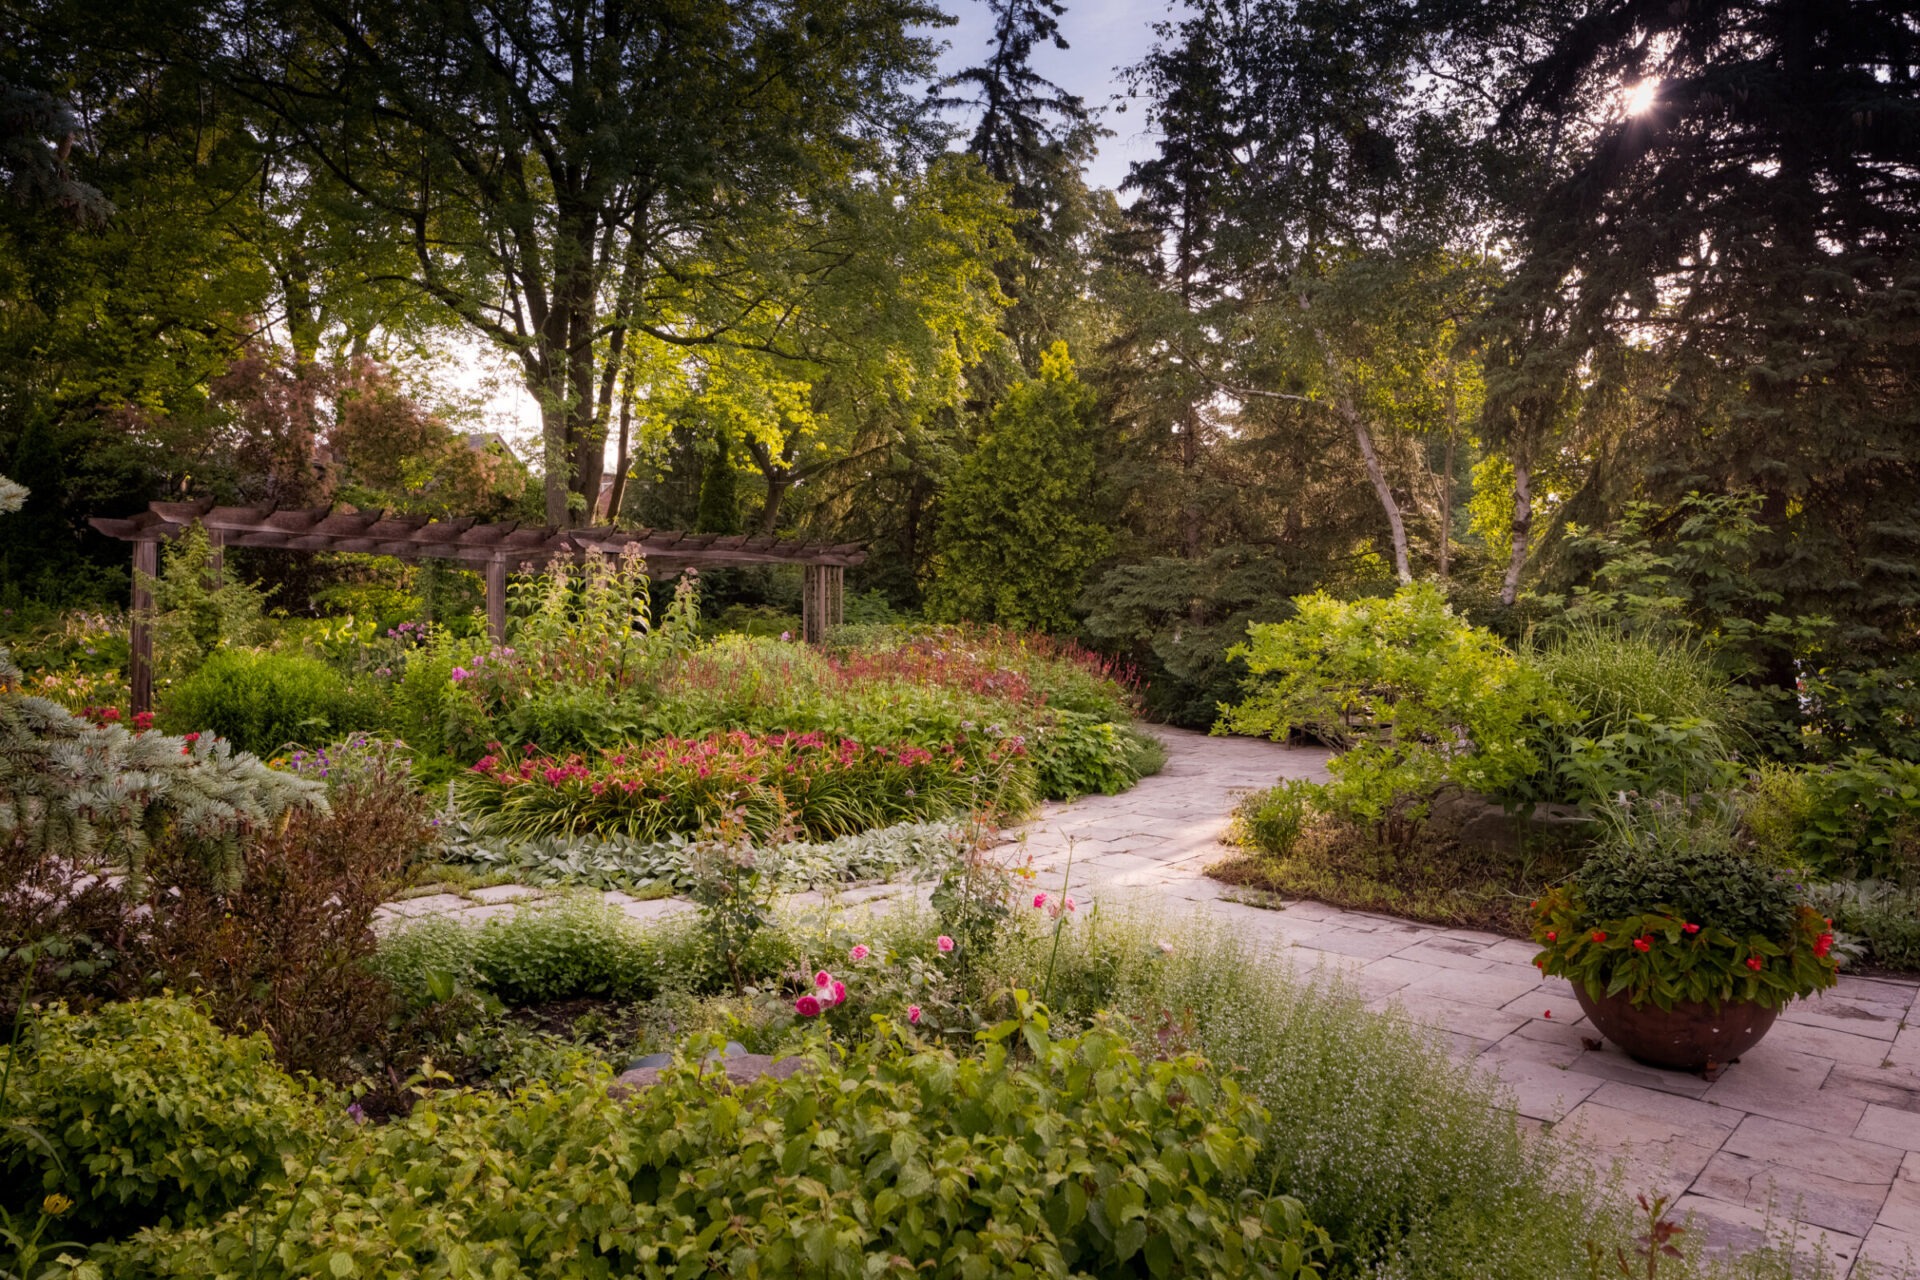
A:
(823, 979)
(839, 993)
(1068, 904)
(1039, 900)
(913, 1014)
(459, 674)
(859, 953)
(944, 943)
(807, 1007)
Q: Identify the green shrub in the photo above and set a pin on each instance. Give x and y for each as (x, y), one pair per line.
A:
(262, 701)
(149, 1113)
(1072, 1156)
(1146, 754)
(1863, 818)
(1774, 809)
(1078, 755)
(1419, 695)
(1273, 820)
(572, 947)
(1402, 1152)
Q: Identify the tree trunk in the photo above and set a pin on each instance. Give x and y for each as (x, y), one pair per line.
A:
(1522, 529)
(624, 459)
(1446, 477)
(779, 478)
(1402, 567)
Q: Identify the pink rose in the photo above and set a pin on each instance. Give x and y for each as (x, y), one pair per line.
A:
(807, 1007)
(944, 943)
(839, 993)
(1039, 900)
(822, 978)
(913, 1014)
(1068, 904)
(859, 953)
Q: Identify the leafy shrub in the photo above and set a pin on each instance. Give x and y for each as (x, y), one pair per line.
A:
(1401, 1151)
(576, 946)
(149, 1113)
(1774, 809)
(1419, 695)
(1882, 918)
(1076, 755)
(1662, 922)
(676, 786)
(284, 951)
(262, 701)
(1274, 819)
(1684, 758)
(1863, 818)
(1074, 1157)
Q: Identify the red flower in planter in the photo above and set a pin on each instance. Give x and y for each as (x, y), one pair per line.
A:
(1642, 944)
(1599, 935)
(1755, 963)
(1552, 937)
(1689, 927)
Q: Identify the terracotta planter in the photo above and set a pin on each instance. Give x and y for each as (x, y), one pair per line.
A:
(1688, 1037)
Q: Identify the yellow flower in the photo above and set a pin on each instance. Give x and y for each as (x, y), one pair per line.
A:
(55, 1205)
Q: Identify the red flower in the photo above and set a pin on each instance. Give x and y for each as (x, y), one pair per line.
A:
(143, 720)
(1642, 945)
(1755, 963)
(1689, 927)
(807, 1007)
(1822, 945)
(1552, 937)
(1599, 935)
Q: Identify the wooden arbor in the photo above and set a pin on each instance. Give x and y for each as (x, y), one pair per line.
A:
(490, 548)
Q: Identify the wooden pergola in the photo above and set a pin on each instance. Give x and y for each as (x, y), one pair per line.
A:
(489, 548)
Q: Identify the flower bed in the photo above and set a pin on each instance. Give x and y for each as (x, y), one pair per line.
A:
(824, 787)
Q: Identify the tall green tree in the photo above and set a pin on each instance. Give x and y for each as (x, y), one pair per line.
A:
(1018, 533)
(1736, 200)
(565, 174)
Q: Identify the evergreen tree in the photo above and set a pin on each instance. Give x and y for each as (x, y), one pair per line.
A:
(100, 798)
(719, 492)
(1737, 204)
(1017, 536)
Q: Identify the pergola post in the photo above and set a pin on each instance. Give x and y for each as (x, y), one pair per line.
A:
(146, 567)
(497, 599)
(822, 601)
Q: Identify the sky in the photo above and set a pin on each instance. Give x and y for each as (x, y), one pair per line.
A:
(1103, 37)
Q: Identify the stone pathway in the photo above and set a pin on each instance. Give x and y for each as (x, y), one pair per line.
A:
(1822, 1119)
(1820, 1122)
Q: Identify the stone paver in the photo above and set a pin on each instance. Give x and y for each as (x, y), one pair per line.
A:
(1816, 1130)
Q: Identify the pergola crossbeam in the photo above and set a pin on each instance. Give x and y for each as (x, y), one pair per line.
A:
(493, 548)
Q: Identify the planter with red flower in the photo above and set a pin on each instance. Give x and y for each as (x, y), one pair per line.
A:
(1683, 957)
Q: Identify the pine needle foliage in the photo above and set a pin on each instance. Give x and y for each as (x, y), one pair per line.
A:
(102, 797)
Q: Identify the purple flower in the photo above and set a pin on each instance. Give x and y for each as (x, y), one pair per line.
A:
(459, 674)
(357, 1113)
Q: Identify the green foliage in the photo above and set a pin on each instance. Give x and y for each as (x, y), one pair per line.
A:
(567, 948)
(263, 701)
(1400, 1150)
(1074, 1155)
(65, 789)
(1078, 755)
(719, 510)
(1016, 540)
(1614, 680)
(1687, 759)
(1671, 916)
(1273, 820)
(609, 862)
(1417, 694)
(1774, 808)
(1862, 818)
(192, 619)
(150, 1113)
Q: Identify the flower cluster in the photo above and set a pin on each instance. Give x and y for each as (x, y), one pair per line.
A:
(828, 786)
(1661, 957)
(101, 717)
(830, 992)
